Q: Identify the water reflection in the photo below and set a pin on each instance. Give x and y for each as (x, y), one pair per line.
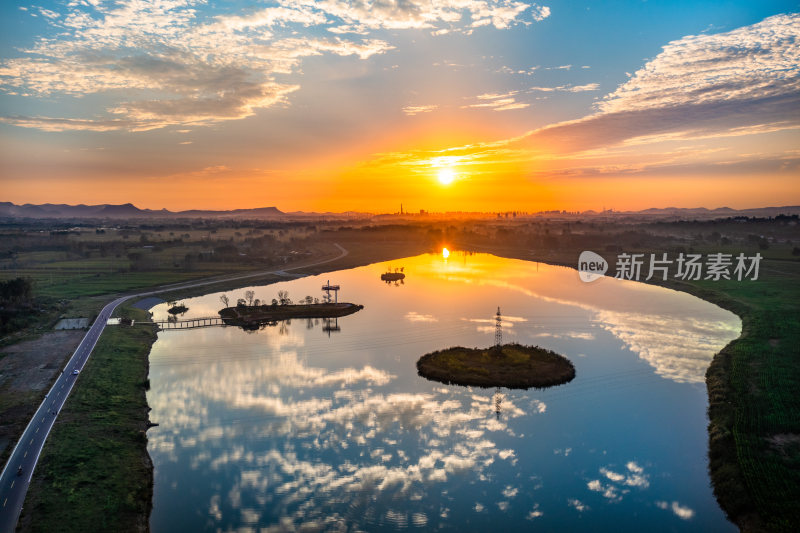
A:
(287, 429)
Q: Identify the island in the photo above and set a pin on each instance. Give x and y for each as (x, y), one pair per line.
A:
(513, 366)
(245, 315)
(177, 309)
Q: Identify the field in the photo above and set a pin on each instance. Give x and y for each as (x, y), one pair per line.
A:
(94, 473)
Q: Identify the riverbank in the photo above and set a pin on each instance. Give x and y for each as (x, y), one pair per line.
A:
(512, 366)
(94, 473)
(754, 430)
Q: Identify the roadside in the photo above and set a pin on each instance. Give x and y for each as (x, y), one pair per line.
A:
(94, 473)
(27, 371)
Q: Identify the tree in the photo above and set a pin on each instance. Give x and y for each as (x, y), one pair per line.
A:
(309, 299)
(224, 299)
(283, 297)
(274, 302)
(257, 302)
(249, 295)
(241, 302)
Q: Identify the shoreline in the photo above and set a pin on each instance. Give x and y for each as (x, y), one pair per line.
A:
(732, 490)
(728, 483)
(717, 388)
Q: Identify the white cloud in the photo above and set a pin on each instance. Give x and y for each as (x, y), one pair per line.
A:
(698, 86)
(413, 316)
(498, 102)
(568, 88)
(416, 110)
(178, 66)
(577, 504)
(682, 512)
(753, 62)
(426, 14)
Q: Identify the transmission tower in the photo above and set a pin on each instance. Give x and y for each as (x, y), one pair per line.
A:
(498, 329)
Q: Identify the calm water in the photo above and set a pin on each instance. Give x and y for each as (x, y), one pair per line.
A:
(292, 426)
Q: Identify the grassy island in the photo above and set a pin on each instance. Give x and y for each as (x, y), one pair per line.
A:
(511, 365)
(250, 314)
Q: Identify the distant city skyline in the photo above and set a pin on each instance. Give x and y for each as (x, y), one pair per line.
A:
(462, 105)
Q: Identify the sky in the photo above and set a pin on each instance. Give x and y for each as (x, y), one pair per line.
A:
(454, 105)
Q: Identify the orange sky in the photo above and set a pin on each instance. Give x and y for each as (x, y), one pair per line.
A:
(333, 108)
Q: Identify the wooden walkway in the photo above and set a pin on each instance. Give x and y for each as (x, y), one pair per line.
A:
(189, 323)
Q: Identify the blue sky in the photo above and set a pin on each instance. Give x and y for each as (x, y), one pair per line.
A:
(129, 100)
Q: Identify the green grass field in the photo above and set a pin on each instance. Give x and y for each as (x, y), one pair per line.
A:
(94, 474)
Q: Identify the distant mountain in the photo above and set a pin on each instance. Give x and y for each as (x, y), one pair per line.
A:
(123, 211)
(130, 211)
(702, 212)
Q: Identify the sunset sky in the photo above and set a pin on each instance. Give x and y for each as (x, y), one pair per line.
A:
(455, 105)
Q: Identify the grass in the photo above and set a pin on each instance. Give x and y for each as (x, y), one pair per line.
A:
(753, 399)
(94, 473)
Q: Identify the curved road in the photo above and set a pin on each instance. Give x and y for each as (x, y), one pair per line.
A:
(13, 481)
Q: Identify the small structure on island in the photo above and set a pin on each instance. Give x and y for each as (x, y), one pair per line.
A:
(328, 288)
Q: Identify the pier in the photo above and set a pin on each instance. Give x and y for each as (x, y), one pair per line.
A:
(189, 323)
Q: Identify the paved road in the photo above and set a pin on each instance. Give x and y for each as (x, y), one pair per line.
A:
(13, 481)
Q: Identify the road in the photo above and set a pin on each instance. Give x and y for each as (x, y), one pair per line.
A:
(13, 481)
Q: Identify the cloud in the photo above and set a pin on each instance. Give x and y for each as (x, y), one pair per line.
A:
(416, 110)
(413, 316)
(577, 504)
(568, 88)
(498, 102)
(711, 87)
(185, 67)
(698, 85)
(682, 512)
(426, 14)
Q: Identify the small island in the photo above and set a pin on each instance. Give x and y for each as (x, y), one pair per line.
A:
(177, 309)
(247, 315)
(513, 366)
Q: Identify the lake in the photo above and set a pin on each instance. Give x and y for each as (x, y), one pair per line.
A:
(327, 426)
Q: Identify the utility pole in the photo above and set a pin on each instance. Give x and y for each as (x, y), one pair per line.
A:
(498, 330)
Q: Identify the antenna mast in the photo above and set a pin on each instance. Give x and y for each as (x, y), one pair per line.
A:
(498, 329)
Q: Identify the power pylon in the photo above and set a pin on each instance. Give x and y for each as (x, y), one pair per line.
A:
(498, 329)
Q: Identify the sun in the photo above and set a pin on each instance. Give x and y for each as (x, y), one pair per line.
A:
(446, 176)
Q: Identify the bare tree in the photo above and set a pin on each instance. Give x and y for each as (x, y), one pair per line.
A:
(249, 295)
(224, 300)
(283, 297)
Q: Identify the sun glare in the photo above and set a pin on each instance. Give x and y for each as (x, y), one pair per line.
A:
(445, 253)
(446, 176)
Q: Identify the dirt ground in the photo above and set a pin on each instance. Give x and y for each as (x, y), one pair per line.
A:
(26, 371)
